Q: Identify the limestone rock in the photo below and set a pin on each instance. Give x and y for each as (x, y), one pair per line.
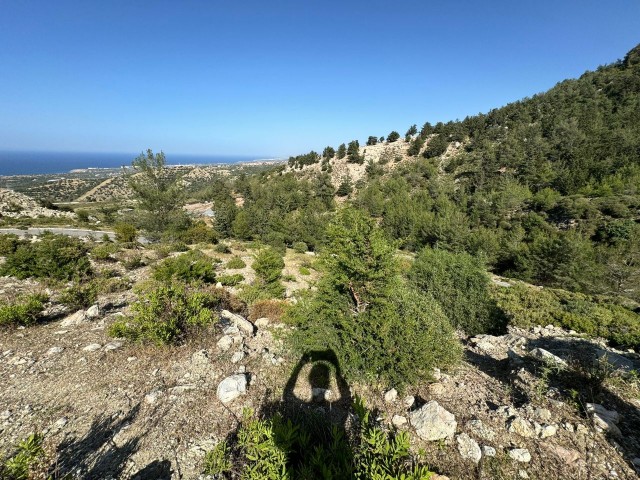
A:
(262, 322)
(225, 343)
(391, 396)
(93, 312)
(480, 429)
(74, 319)
(488, 451)
(92, 347)
(468, 448)
(520, 426)
(432, 422)
(242, 323)
(603, 419)
(55, 350)
(520, 455)
(398, 421)
(545, 356)
(232, 387)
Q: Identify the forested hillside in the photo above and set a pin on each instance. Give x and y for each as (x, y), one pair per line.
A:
(544, 189)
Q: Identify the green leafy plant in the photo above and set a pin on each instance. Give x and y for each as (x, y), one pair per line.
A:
(80, 295)
(125, 232)
(104, 251)
(23, 311)
(165, 314)
(217, 461)
(300, 247)
(235, 263)
(231, 280)
(29, 453)
(189, 267)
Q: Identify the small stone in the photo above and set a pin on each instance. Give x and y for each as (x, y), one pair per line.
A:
(181, 389)
(152, 397)
(55, 350)
(548, 431)
(391, 396)
(262, 322)
(131, 359)
(321, 394)
(437, 388)
(239, 321)
(468, 448)
(112, 346)
(547, 357)
(60, 423)
(488, 451)
(92, 347)
(567, 455)
(480, 429)
(93, 311)
(232, 387)
(523, 474)
(543, 414)
(432, 422)
(408, 401)
(74, 319)
(237, 357)
(5, 415)
(520, 455)
(398, 421)
(231, 330)
(520, 426)
(225, 343)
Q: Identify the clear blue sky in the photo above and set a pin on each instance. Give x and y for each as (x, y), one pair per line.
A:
(276, 77)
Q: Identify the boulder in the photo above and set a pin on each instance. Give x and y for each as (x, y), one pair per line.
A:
(520, 455)
(613, 360)
(225, 343)
(239, 321)
(391, 396)
(74, 319)
(468, 448)
(232, 387)
(547, 357)
(603, 419)
(93, 312)
(432, 422)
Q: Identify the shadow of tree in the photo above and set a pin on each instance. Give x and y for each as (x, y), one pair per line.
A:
(96, 455)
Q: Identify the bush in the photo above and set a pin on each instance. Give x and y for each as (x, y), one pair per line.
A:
(104, 251)
(199, 233)
(300, 247)
(305, 271)
(54, 256)
(81, 295)
(231, 280)
(165, 314)
(23, 311)
(83, 215)
(365, 312)
(131, 261)
(222, 248)
(528, 306)
(188, 267)
(275, 448)
(125, 232)
(268, 265)
(9, 243)
(29, 454)
(235, 263)
(393, 136)
(459, 283)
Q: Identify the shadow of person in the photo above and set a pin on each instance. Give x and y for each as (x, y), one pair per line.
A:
(311, 421)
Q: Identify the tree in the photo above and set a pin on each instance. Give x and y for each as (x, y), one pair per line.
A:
(372, 140)
(328, 152)
(413, 129)
(353, 152)
(381, 139)
(416, 146)
(342, 150)
(345, 187)
(158, 194)
(393, 136)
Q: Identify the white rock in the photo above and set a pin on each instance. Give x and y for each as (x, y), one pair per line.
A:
(432, 422)
(262, 322)
(520, 426)
(74, 319)
(152, 397)
(230, 330)
(93, 311)
(242, 323)
(545, 356)
(55, 350)
(520, 455)
(225, 343)
(112, 346)
(603, 419)
(237, 357)
(391, 396)
(468, 448)
(548, 431)
(398, 421)
(488, 451)
(480, 429)
(92, 347)
(232, 387)
(409, 400)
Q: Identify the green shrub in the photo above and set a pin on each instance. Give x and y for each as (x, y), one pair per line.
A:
(309, 447)
(189, 267)
(165, 314)
(131, 261)
(300, 247)
(54, 256)
(268, 265)
(83, 215)
(365, 312)
(231, 280)
(125, 232)
(460, 284)
(305, 271)
(199, 232)
(8, 243)
(222, 248)
(29, 454)
(528, 306)
(104, 251)
(235, 263)
(23, 311)
(80, 295)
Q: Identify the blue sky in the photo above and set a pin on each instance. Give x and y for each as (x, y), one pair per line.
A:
(275, 78)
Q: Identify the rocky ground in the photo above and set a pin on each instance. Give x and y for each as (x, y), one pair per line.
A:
(15, 205)
(110, 409)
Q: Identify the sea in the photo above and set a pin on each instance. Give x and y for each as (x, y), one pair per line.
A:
(37, 163)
